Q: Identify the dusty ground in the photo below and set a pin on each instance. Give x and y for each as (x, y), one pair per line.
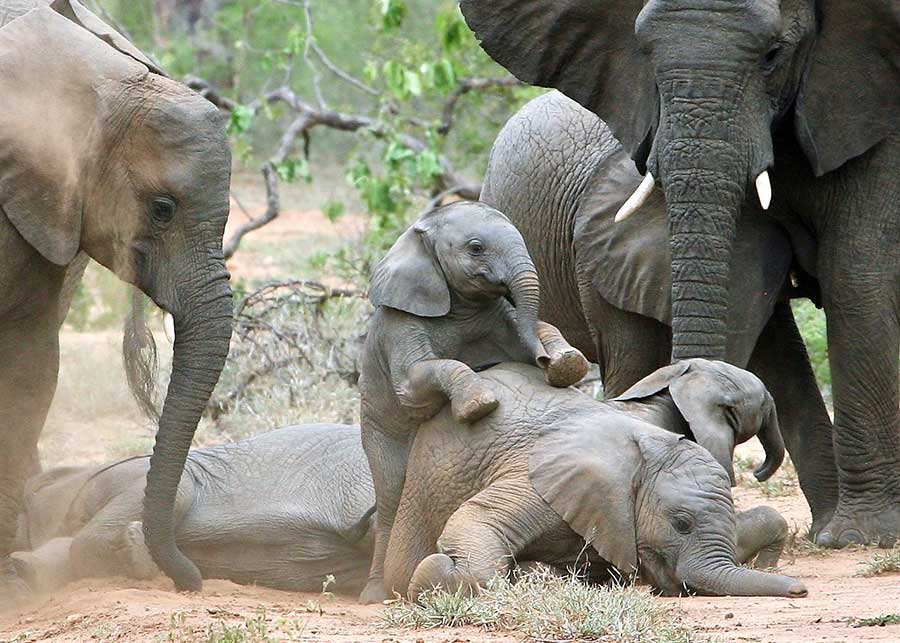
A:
(92, 401)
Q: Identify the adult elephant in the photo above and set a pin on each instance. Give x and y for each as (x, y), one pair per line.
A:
(560, 175)
(710, 97)
(102, 154)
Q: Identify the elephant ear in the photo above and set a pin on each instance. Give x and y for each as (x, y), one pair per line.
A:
(50, 71)
(409, 277)
(587, 474)
(657, 381)
(80, 15)
(849, 99)
(703, 407)
(587, 49)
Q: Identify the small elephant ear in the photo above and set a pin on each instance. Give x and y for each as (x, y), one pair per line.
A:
(703, 409)
(657, 381)
(849, 98)
(80, 15)
(587, 49)
(587, 474)
(410, 279)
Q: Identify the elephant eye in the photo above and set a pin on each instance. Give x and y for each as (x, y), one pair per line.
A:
(475, 247)
(163, 209)
(683, 524)
(771, 57)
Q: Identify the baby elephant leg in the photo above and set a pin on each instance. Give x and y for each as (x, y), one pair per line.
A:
(761, 534)
(430, 382)
(46, 568)
(567, 365)
(479, 541)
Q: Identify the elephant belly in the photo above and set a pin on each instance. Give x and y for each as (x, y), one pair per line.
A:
(300, 563)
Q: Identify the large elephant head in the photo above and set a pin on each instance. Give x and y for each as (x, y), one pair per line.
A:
(650, 501)
(723, 406)
(102, 153)
(694, 89)
(465, 252)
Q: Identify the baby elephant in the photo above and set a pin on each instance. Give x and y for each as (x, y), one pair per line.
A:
(456, 293)
(551, 469)
(283, 509)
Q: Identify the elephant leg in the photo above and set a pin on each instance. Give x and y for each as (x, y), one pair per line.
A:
(388, 456)
(761, 534)
(780, 360)
(430, 382)
(567, 365)
(862, 308)
(629, 346)
(480, 540)
(47, 568)
(29, 364)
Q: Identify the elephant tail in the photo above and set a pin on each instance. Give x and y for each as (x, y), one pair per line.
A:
(140, 357)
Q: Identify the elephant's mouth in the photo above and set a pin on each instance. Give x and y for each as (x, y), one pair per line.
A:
(659, 574)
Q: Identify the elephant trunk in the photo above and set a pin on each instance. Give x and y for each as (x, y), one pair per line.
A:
(727, 579)
(705, 161)
(525, 292)
(202, 338)
(773, 443)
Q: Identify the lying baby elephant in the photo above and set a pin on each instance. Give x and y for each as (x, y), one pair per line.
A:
(550, 469)
(283, 509)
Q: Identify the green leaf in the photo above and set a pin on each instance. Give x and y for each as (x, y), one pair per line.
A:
(444, 75)
(392, 13)
(413, 82)
(428, 165)
(292, 169)
(395, 78)
(241, 119)
(397, 153)
(452, 30)
(333, 210)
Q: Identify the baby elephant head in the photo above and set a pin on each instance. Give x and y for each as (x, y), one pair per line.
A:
(649, 501)
(723, 406)
(462, 254)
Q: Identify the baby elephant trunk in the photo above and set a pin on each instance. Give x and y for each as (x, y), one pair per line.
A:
(728, 579)
(525, 292)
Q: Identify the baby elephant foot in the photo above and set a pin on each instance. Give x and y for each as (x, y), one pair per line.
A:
(373, 592)
(567, 367)
(475, 403)
(438, 571)
(138, 560)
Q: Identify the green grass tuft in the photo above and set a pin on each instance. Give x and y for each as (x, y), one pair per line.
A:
(882, 564)
(877, 621)
(543, 606)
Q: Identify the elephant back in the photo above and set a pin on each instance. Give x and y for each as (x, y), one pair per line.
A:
(12, 9)
(541, 162)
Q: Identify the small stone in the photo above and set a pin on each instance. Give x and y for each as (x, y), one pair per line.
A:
(729, 615)
(74, 618)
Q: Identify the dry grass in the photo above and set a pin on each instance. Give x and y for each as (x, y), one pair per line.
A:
(545, 607)
(886, 563)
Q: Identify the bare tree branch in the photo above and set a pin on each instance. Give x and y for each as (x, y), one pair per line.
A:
(273, 209)
(465, 86)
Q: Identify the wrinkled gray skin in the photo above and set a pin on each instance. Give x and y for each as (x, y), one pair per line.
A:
(559, 174)
(550, 469)
(283, 509)
(707, 94)
(103, 156)
(456, 293)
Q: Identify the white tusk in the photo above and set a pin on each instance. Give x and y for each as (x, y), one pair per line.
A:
(764, 190)
(637, 199)
(169, 327)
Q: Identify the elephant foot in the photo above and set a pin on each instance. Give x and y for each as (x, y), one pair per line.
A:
(474, 405)
(860, 528)
(819, 522)
(436, 571)
(373, 592)
(138, 560)
(566, 367)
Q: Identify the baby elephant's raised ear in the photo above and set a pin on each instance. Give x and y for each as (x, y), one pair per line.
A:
(410, 279)
(657, 381)
(588, 474)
